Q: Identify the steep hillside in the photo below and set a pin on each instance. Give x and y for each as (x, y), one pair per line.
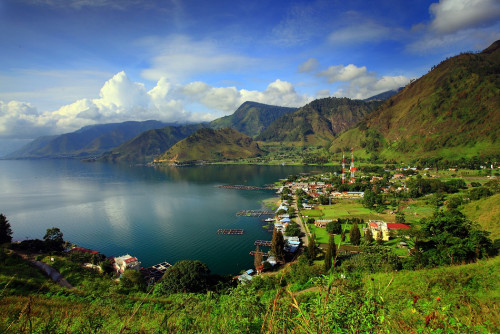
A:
(251, 118)
(150, 144)
(452, 111)
(212, 145)
(88, 141)
(318, 121)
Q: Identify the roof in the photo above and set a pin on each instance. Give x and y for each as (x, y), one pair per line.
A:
(397, 226)
(130, 259)
(373, 224)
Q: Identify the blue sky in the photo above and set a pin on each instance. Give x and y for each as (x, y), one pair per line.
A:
(69, 63)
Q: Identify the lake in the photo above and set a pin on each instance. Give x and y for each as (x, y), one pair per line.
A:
(156, 214)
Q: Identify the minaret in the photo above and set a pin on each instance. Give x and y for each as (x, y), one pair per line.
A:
(343, 167)
(353, 169)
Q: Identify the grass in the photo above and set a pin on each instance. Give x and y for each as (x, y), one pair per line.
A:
(394, 302)
(323, 237)
(486, 212)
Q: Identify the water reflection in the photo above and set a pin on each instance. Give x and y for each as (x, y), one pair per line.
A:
(156, 214)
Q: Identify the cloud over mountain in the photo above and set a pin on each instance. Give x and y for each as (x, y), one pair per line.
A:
(121, 99)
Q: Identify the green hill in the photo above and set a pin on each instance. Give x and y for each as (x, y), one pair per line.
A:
(453, 111)
(319, 121)
(212, 145)
(251, 118)
(150, 144)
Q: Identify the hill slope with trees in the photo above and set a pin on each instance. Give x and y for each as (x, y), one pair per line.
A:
(452, 111)
(319, 121)
(251, 118)
(212, 145)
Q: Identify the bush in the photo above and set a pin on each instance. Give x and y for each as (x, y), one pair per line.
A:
(184, 276)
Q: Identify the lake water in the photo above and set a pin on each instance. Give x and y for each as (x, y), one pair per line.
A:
(156, 214)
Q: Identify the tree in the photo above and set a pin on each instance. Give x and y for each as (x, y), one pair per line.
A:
(342, 236)
(311, 248)
(380, 238)
(5, 230)
(257, 258)
(132, 280)
(184, 276)
(334, 227)
(278, 245)
(451, 238)
(331, 253)
(54, 239)
(355, 235)
(370, 199)
(368, 235)
(400, 217)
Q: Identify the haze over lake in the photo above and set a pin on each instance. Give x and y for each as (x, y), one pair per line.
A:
(157, 214)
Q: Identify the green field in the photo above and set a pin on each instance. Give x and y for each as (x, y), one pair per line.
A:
(343, 209)
(322, 236)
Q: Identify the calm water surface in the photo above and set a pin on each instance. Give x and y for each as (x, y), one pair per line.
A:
(157, 214)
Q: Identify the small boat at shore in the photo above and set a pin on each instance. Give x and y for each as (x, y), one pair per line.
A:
(269, 220)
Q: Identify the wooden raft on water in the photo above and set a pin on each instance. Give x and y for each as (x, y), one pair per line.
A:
(263, 243)
(262, 253)
(253, 213)
(232, 231)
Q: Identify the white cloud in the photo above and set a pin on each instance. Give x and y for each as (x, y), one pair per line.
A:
(21, 120)
(79, 4)
(343, 73)
(120, 100)
(361, 32)
(178, 57)
(358, 83)
(309, 65)
(457, 25)
(453, 15)
(227, 99)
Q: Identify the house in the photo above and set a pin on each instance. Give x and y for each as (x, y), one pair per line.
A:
(321, 223)
(377, 226)
(307, 206)
(126, 262)
(246, 277)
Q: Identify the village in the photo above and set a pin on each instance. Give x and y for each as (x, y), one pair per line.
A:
(312, 211)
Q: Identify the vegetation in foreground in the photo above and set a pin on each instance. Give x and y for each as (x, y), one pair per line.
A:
(453, 299)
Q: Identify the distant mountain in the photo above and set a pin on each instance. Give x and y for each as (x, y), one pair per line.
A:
(150, 144)
(212, 145)
(251, 118)
(319, 121)
(89, 141)
(385, 95)
(453, 111)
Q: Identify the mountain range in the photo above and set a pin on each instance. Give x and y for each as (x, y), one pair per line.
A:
(91, 140)
(452, 111)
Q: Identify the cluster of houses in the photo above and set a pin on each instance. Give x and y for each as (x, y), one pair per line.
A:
(318, 188)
